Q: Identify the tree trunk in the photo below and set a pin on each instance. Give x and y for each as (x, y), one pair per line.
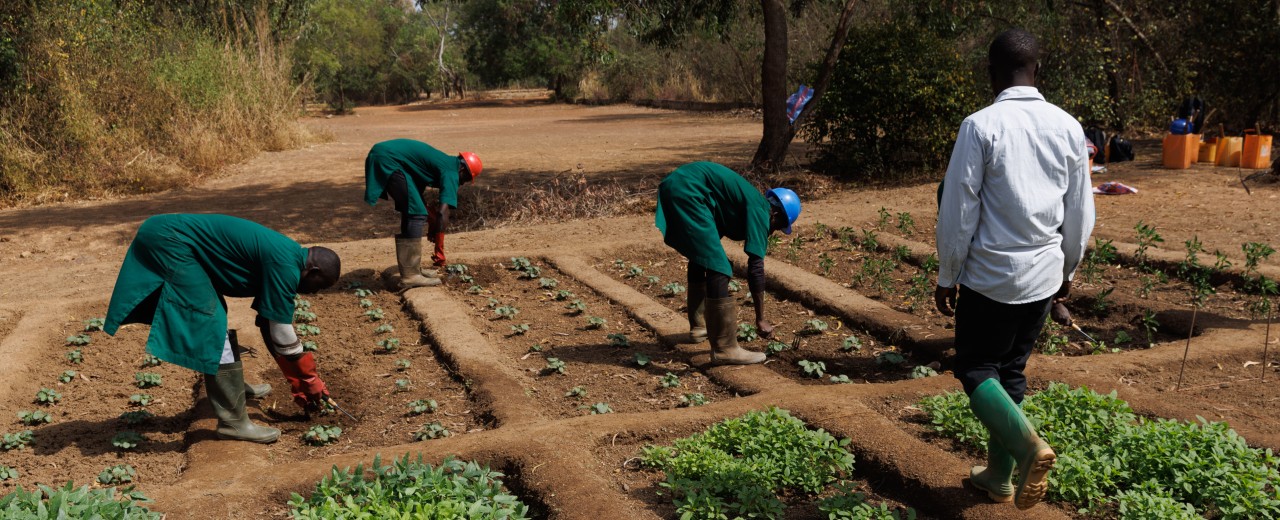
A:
(778, 132)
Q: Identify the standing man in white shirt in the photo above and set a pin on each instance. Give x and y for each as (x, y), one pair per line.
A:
(1014, 218)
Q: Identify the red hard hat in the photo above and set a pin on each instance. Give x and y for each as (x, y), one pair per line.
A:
(473, 163)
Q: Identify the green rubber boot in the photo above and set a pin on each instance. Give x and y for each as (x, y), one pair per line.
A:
(722, 330)
(409, 260)
(996, 477)
(1007, 424)
(697, 303)
(257, 391)
(226, 394)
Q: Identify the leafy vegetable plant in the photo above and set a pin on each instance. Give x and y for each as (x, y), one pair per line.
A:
(673, 289)
(147, 379)
(321, 435)
(519, 329)
(374, 314)
(94, 324)
(576, 392)
(600, 409)
(135, 417)
(576, 307)
(554, 365)
(747, 332)
(618, 339)
(75, 356)
(693, 399)
(389, 344)
(67, 376)
(79, 340)
(562, 295)
(775, 347)
(7, 473)
(70, 501)
(385, 328)
(890, 357)
(403, 364)
(506, 311)
(547, 283)
(669, 380)
(595, 322)
(840, 379)
(815, 326)
(48, 396)
(307, 330)
(422, 406)
(923, 371)
(34, 418)
(641, 358)
(140, 399)
(433, 430)
(851, 343)
(812, 368)
(149, 361)
(402, 385)
(118, 474)
(127, 440)
(310, 346)
(16, 441)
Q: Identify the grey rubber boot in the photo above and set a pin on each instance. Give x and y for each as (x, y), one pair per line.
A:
(1006, 422)
(226, 394)
(722, 330)
(697, 304)
(996, 477)
(409, 259)
(257, 391)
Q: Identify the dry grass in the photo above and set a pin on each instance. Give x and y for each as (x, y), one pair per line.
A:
(557, 200)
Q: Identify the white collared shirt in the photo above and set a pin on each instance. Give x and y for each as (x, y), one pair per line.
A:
(1017, 208)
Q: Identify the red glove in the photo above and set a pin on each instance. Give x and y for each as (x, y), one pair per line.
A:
(305, 384)
(437, 257)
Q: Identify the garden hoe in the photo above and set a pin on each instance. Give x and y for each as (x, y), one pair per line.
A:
(1061, 314)
(329, 401)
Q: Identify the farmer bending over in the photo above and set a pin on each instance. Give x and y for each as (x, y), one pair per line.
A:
(175, 276)
(697, 204)
(1015, 215)
(402, 170)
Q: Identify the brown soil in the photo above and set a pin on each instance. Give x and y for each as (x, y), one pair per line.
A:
(790, 319)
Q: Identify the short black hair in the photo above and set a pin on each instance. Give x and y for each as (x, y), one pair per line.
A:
(1013, 50)
(326, 260)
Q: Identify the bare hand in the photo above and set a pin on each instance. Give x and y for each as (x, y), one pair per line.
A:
(1063, 292)
(944, 298)
(1060, 314)
(764, 328)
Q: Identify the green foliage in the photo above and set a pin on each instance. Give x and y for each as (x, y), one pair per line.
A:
(812, 368)
(1106, 450)
(775, 347)
(310, 346)
(307, 330)
(506, 311)
(841, 379)
(385, 328)
(321, 435)
(519, 329)
(747, 332)
(906, 224)
(432, 430)
(34, 418)
(890, 357)
(140, 399)
(75, 356)
(136, 417)
(851, 343)
(422, 406)
(600, 409)
(848, 504)
(576, 392)
(672, 289)
(410, 489)
(576, 307)
(389, 344)
(147, 379)
(641, 358)
(669, 380)
(16, 441)
(739, 466)
(863, 123)
(7, 473)
(118, 474)
(634, 271)
(402, 385)
(374, 314)
(562, 295)
(693, 399)
(923, 371)
(70, 501)
(48, 396)
(595, 322)
(403, 364)
(554, 365)
(127, 440)
(149, 361)
(547, 283)
(735, 286)
(363, 293)
(94, 324)
(66, 376)
(79, 340)
(814, 327)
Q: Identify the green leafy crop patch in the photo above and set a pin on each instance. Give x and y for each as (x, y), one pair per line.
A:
(738, 468)
(70, 501)
(1108, 457)
(411, 489)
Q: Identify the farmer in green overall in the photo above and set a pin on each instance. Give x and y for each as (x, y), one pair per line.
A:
(402, 170)
(699, 203)
(175, 277)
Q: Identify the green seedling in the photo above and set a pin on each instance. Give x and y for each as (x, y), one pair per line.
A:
(771, 243)
(402, 385)
(389, 344)
(94, 324)
(385, 328)
(457, 269)
(16, 441)
(869, 242)
(634, 271)
(115, 475)
(775, 347)
(303, 316)
(554, 365)
(147, 379)
(307, 330)
(366, 303)
(140, 399)
(75, 356)
(595, 322)
(475, 289)
(851, 343)
(310, 346)
(653, 280)
(506, 312)
(520, 263)
(669, 380)
(600, 409)
(403, 364)
(618, 339)
(547, 283)
(532, 272)
(134, 417)
(906, 224)
(562, 295)
(693, 399)
(930, 263)
(1147, 237)
(815, 327)
(883, 222)
(619, 263)
(433, 430)
(1149, 326)
(48, 396)
(149, 361)
(67, 376)
(825, 263)
(890, 357)
(576, 307)
(641, 358)
(747, 332)
(672, 289)
(363, 293)
(576, 392)
(422, 406)
(735, 286)
(519, 329)
(901, 254)
(300, 303)
(79, 340)
(374, 314)
(535, 347)
(127, 440)
(812, 368)
(353, 284)
(1122, 337)
(1101, 303)
(923, 371)
(321, 435)
(7, 473)
(840, 379)
(34, 418)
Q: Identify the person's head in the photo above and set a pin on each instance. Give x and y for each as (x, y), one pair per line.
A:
(322, 270)
(469, 167)
(784, 209)
(1013, 60)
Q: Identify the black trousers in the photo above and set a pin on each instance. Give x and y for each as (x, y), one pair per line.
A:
(411, 226)
(717, 284)
(994, 340)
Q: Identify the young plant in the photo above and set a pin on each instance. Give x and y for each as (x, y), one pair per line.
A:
(641, 358)
(307, 330)
(403, 364)
(94, 324)
(135, 417)
(140, 400)
(1147, 237)
(374, 314)
(669, 380)
(422, 406)
(653, 280)
(814, 327)
(366, 303)
(883, 222)
(433, 430)
(890, 357)
(520, 263)
(7, 473)
(363, 293)
(48, 396)
(301, 315)
(825, 263)
(851, 343)
(576, 307)
(127, 440)
(906, 224)
(1149, 326)
(1102, 253)
(562, 295)
(576, 392)
(79, 340)
(1122, 338)
(869, 242)
(519, 329)
(547, 283)
(75, 356)
(775, 347)
(16, 441)
(475, 289)
(389, 345)
(1101, 303)
(841, 379)
(930, 264)
(147, 379)
(693, 399)
(618, 339)
(735, 286)
(812, 368)
(402, 385)
(310, 346)
(901, 254)
(554, 365)
(385, 328)
(747, 332)
(535, 348)
(923, 371)
(67, 376)
(321, 435)
(149, 361)
(771, 243)
(458, 269)
(118, 474)
(34, 418)
(672, 289)
(531, 272)
(595, 322)
(506, 312)
(600, 409)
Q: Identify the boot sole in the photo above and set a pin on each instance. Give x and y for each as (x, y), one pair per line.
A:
(1034, 484)
(264, 440)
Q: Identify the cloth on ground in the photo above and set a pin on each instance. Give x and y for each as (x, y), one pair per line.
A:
(1114, 188)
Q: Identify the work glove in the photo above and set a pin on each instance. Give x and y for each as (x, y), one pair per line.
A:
(308, 390)
(437, 257)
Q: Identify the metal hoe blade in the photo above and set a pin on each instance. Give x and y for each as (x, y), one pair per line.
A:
(329, 401)
(1083, 333)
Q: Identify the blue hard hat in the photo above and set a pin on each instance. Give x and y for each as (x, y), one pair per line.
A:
(788, 201)
(1180, 127)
